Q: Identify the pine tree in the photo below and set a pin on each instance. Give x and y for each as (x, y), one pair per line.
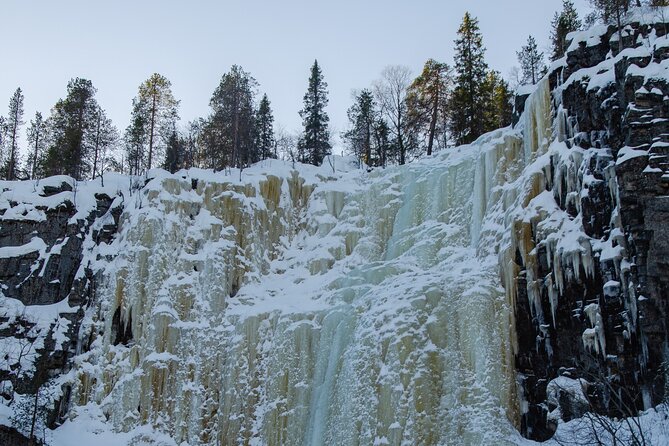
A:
(614, 10)
(38, 142)
(70, 122)
(498, 96)
(361, 116)
(264, 130)
(14, 123)
(563, 23)
(156, 109)
(427, 99)
(314, 145)
(531, 62)
(391, 94)
(466, 104)
(229, 130)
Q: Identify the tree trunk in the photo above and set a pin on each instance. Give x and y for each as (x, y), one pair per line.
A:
(34, 419)
(152, 125)
(12, 153)
(433, 123)
(97, 147)
(34, 166)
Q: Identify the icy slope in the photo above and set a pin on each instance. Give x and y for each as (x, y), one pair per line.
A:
(312, 307)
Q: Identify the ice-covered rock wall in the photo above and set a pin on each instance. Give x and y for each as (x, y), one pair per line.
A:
(312, 307)
(587, 262)
(513, 283)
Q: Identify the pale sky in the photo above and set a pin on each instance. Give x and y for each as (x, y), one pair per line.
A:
(118, 44)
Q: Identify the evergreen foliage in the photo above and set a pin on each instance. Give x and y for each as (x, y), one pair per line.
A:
(175, 153)
(467, 120)
(154, 114)
(229, 130)
(532, 62)
(38, 142)
(264, 130)
(563, 23)
(499, 97)
(135, 140)
(314, 144)
(362, 116)
(13, 124)
(427, 101)
(71, 121)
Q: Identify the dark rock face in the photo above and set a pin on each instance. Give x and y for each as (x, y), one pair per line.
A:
(624, 205)
(12, 437)
(51, 274)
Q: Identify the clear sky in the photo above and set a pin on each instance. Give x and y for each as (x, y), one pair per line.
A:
(118, 44)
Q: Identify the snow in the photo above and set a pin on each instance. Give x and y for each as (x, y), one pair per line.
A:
(35, 244)
(294, 304)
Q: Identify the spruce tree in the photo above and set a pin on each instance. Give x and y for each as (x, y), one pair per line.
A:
(229, 130)
(71, 121)
(426, 100)
(174, 155)
(264, 130)
(498, 96)
(361, 116)
(382, 142)
(466, 104)
(135, 140)
(563, 23)
(13, 124)
(37, 141)
(314, 145)
(532, 62)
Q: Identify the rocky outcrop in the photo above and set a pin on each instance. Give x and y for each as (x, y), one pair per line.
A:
(609, 331)
(44, 235)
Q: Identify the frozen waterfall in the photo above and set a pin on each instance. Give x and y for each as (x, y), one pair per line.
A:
(319, 306)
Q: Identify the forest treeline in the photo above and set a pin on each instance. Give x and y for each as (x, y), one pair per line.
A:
(393, 121)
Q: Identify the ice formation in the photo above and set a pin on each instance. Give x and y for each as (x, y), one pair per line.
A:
(317, 305)
(295, 305)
